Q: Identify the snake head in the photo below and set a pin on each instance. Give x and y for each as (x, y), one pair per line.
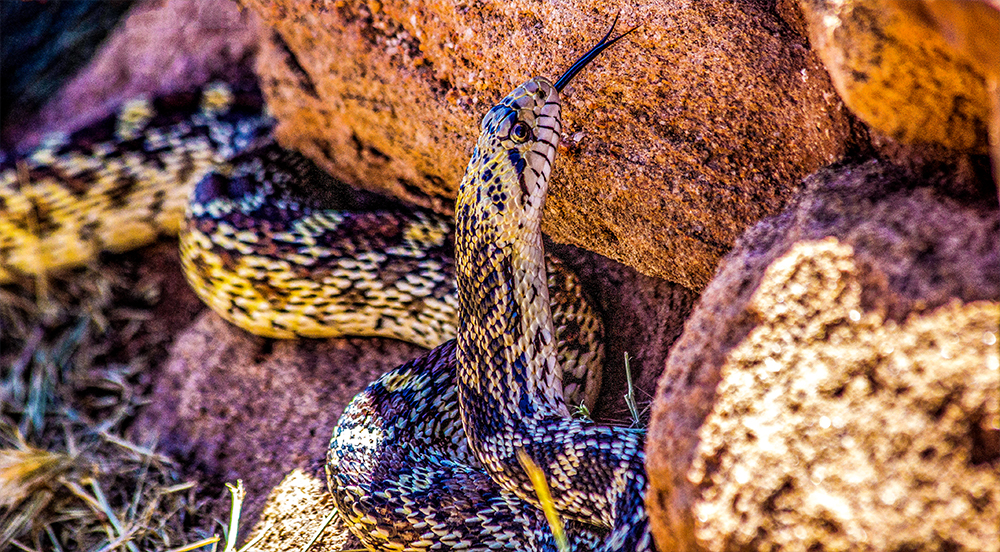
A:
(508, 174)
(509, 170)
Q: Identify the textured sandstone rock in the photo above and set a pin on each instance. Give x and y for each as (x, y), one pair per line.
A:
(237, 406)
(900, 76)
(837, 386)
(686, 133)
(972, 27)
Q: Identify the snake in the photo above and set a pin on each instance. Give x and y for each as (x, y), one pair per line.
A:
(426, 457)
(250, 215)
(277, 247)
(431, 455)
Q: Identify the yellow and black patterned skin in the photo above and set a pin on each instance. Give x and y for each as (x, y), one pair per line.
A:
(120, 182)
(272, 249)
(403, 477)
(426, 457)
(508, 374)
(280, 249)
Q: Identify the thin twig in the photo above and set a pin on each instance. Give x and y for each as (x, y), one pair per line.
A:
(630, 395)
(239, 493)
(196, 545)
(319, 532)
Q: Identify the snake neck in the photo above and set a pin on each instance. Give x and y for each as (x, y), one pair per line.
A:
(505, 322)
(506, 347)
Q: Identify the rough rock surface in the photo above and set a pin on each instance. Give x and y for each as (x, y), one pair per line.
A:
(44, 44)
(673, 144)
(236, 406)
(900, 76)
(837, 385)
(972, 27)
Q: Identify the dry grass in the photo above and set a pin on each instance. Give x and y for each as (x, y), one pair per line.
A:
(75, 353)
(544, 494)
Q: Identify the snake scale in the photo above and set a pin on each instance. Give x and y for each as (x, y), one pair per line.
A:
(426, 457)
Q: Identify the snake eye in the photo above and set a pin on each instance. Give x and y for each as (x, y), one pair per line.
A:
(519, 132)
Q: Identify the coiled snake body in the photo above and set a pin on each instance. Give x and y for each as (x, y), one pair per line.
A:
(426, 457)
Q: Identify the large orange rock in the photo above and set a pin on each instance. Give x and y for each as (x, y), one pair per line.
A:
(901, 75)
(838, 385)
(675, 141)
